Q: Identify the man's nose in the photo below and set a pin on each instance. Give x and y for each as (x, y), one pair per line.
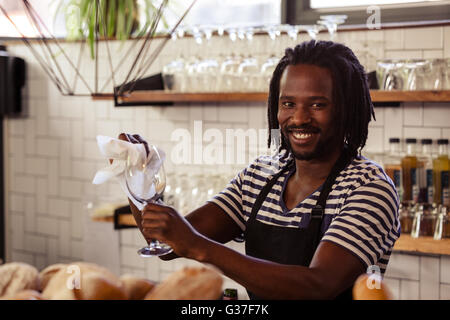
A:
(301, 115)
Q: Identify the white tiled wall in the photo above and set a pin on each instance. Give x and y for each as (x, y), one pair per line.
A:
(52, 157)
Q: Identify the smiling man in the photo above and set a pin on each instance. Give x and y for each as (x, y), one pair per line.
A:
(317, 214)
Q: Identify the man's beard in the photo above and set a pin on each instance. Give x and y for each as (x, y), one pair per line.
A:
(322, 148)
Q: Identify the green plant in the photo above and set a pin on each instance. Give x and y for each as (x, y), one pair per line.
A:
(117, 19)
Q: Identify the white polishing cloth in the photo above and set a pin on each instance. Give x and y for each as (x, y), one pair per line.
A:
(119, 151)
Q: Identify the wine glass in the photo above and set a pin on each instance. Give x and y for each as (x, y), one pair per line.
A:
(146, 183)
(331, 22)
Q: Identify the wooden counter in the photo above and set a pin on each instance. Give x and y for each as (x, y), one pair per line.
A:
(425, 245)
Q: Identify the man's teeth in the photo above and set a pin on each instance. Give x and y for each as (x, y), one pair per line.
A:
(298, 135)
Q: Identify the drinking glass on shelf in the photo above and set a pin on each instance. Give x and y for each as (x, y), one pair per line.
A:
(146, 182)
(312, 30)
(390, 74)
(173, 74)
(415, 71)
(331, 22)
(267, 69)
(248, 70)
(248, 73)
(435, 75)
(228, 74)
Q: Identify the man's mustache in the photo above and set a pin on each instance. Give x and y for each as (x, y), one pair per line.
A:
(305, 128)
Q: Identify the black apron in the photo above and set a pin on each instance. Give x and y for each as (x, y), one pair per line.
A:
(291, 246)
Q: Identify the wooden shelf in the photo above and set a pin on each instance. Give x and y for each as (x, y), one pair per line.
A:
(165, 97)
(422, 245)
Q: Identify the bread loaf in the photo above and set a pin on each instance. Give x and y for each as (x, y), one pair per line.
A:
(16, 277)
(189, 283)
(27, 295)
(372, 288)
(84, 281)
(46, 274)
(135, 287)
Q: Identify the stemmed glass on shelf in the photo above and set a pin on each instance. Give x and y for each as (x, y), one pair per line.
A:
(331, 22)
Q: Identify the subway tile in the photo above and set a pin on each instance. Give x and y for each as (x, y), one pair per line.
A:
(402, 266)
(59, 128)
(47, 147)
(77, 214)
(421, 133)
(17, 227)
(71, 188)
(233, 112)
(393, 122)
(16, 146)
(110, 128)
(393, 286)
(47, 226)
(445, 134)
(53, 178)
(429, 278)
(444, 293)
(129, 257)
(172, 113)
(375, 140)
(15, 127)
(403, 54)
(65, 161)
(30, 213)
(20, 256)
(394, 39)
(58, 207)
(445, 269)
(77, 139)
(122, 113)
(446, 42)
(40, 261)
(413, 114)
(52, 251)
(24, 184)
(36, 166)
(41, 195)
(436, 115)
(409, 290)
(433, 54)
(35, 244)
(77, 252)
(16, 203)
(424, 38)
(83, 169)
(30, 137)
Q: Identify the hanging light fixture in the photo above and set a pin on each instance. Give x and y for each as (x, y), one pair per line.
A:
(78, 72)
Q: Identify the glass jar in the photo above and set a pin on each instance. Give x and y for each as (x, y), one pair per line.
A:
(407, 211)
(442, 229)
(424, 221)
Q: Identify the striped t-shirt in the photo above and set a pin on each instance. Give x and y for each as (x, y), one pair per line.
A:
(361, 211)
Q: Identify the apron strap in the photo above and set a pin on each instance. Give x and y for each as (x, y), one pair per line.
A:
(265, 191)
(318, 211)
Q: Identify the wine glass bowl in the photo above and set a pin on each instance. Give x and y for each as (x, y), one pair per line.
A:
(146, 182)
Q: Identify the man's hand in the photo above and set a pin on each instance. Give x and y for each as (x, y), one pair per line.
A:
(165, 224)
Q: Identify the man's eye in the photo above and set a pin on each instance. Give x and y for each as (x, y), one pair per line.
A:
(318, 105)
(287, 104)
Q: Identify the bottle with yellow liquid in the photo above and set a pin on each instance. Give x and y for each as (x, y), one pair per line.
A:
(425, 172)
(441, 174)
(409, 172)
(393, 165)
